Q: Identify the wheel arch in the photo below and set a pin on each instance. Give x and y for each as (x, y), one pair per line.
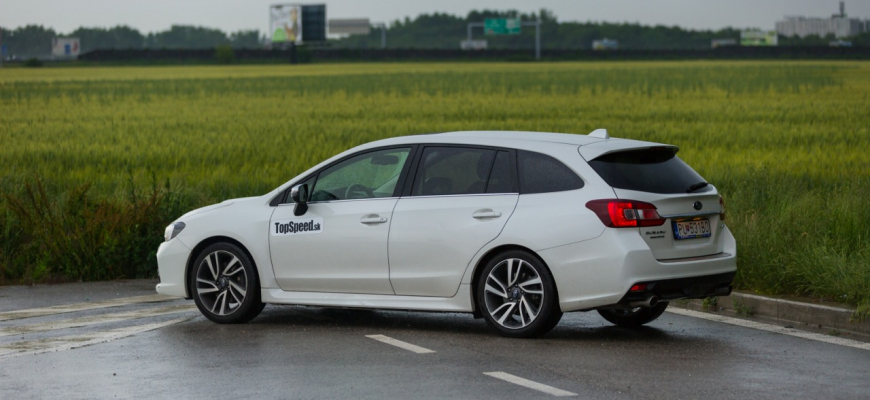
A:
(489, 255)
(194, 254)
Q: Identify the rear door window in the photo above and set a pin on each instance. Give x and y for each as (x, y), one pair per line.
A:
(452, 171)
(501, 179)
(540, 173)
(647, 170)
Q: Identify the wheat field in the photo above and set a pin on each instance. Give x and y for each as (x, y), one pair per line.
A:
(785, 142)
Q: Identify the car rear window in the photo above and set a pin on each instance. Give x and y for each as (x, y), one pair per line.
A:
(653, 171)
(541, 173)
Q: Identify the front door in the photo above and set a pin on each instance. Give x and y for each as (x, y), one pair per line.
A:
(340, 244)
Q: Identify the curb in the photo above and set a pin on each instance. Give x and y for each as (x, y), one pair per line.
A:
(804, 315)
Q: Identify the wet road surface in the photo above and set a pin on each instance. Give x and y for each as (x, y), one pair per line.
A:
(117, 340)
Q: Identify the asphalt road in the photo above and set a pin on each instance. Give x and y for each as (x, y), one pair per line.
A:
(118, 340)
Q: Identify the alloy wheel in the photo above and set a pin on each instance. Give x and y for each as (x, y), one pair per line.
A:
(514, 293)
(221, 282)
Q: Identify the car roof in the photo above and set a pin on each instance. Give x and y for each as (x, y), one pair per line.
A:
(590, 146)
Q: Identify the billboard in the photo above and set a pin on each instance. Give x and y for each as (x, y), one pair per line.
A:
(65, 47)
(314, 22)
(758, 38)
(285, 23)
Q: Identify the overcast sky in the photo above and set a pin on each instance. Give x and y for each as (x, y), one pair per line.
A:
(231, 15)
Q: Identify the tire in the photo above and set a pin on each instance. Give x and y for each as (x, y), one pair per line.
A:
(635, 317)
(224, 284)
(517, 296)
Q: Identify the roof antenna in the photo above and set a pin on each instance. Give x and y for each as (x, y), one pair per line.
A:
(600, 133)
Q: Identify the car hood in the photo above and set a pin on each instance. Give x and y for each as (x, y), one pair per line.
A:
(213, 207)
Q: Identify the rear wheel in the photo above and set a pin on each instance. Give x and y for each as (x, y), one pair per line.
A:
(225, 285)
(517, 296)
(634, 317)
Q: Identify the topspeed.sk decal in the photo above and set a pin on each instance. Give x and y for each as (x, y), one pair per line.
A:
(298, 226)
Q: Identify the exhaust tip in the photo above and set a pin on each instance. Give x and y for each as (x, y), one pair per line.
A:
(649, 302)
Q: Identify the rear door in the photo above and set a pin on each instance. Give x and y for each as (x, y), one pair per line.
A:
(691, 207)
(460, 199)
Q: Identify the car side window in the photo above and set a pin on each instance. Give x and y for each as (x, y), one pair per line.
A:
(501, 179)
(540, 173)
(369, 175)
(453, 170)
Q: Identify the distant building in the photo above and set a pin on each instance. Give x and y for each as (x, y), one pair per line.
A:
(473, 45)
(754, 37)
(838, 25)
(605, 44)
(723, 42)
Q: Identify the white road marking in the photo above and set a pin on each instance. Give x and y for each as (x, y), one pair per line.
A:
(94, 320)
(772, 328)
(401, 344)
(74, 342)
(530, 384)
(796, 303)
(68, 308)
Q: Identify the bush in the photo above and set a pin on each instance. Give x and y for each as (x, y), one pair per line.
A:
(66, 234)
(32, 63)
(224, 54)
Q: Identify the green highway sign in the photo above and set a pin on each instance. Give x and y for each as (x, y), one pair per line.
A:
(502, 26)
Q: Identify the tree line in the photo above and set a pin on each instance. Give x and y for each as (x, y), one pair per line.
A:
(445, 31)
(426, 31)
(35, 40)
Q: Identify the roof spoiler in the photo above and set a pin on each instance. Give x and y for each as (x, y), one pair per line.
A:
(600, 133)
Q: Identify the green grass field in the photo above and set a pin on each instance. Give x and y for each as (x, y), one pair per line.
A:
(785, 142)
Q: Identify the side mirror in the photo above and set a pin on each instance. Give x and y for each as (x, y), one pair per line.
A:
(299, 194)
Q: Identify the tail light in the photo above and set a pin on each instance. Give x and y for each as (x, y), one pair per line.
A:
(617, 213)
(722, 205)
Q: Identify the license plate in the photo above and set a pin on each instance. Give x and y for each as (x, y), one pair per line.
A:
(692, 229)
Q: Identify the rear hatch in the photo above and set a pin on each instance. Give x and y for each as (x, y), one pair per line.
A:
(689, 206)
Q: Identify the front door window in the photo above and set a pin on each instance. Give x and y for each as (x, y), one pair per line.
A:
(366, 176)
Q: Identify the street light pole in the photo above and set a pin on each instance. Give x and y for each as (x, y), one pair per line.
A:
(383, 27)
(537, 25)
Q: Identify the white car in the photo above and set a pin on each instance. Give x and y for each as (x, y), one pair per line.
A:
(515, 227)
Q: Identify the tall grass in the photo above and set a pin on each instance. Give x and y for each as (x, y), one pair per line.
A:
(785, 142)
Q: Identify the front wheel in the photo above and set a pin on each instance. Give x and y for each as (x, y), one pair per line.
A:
(225, 285)
(517, 296)
(634, 317)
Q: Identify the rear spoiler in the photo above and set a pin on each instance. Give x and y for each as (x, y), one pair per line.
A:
(599, 148)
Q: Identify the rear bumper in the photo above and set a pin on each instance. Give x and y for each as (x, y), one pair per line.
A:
(696, 287)
(599, 272)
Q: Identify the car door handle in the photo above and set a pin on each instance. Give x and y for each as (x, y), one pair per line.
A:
(373, 219)
(481, 214)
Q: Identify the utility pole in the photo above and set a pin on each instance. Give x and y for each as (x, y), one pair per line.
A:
(2, 53)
